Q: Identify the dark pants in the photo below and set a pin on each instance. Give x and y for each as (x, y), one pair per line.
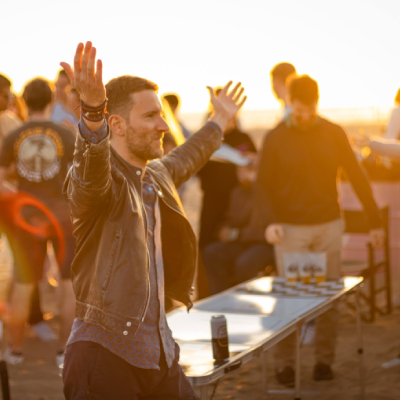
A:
(93, 372)
(230, 263)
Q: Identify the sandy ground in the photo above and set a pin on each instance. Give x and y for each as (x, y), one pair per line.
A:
(38, 379)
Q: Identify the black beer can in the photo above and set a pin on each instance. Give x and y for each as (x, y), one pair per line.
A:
(219, 335)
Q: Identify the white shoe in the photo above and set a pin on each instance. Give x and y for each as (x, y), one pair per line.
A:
(44, 332)
(60, 359)
(11, 358)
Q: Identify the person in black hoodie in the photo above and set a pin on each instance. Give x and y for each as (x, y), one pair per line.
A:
(238, 255)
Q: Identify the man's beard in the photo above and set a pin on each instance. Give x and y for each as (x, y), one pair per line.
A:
(140, 147)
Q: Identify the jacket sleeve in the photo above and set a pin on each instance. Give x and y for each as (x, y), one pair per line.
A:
(88, 183)
(185, 160)
(359, 181)
(390, 148)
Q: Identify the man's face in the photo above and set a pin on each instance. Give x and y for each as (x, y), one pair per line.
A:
(146, 126)
(302, 114)
(279, 88)
(4, 98)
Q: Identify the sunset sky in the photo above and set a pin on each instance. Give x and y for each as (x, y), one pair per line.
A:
(351, 47)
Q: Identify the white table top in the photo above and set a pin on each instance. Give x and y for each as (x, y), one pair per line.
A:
(257, 312)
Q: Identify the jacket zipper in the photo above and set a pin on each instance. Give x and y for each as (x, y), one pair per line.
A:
(148, 259)
(148, 297)
(86, 156)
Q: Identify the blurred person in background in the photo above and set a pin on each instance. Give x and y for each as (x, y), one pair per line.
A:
(35, 320)
(393, 126)
(217, 181)
(60, 113)
(41, 152)
(297, 201)
(8, 120)
(18, 107)
(388, 148)
(236, 257)
(174, 102)
(280, 74)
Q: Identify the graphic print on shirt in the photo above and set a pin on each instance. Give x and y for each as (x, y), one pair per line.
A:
(38, 153)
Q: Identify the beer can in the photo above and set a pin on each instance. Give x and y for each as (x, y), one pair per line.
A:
(219, 335)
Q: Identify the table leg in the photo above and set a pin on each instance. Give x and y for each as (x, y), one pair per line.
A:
(204, 392)
(360, 349)
(264, 372)
(297, 371)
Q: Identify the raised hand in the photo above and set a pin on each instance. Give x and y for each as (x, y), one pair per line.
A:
(226, 105)
(87, 79)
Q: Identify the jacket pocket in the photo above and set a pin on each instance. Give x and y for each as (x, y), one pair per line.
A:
(111, 261)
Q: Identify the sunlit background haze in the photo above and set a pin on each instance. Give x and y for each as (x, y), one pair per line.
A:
(351, 47)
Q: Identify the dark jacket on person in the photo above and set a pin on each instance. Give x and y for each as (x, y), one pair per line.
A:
(110, 269)
(217, 181)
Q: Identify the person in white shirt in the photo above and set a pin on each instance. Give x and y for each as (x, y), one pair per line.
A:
(393, 127)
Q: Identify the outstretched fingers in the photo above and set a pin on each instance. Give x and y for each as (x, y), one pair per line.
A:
(225, 89)
(212, 93)
(242, 102)
(99, 72)
(237, 97)
(234, 90)
(85, 58)
(91, 63)
(68, 70)
(78, 58)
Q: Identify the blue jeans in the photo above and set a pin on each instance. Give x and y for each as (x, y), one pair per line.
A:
(228, 264)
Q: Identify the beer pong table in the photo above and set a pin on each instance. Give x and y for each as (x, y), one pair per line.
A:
(260, 313)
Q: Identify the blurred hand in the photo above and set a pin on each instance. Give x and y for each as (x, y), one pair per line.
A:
(224, 234)
(84, 77)
(361, 140)
(226, 105)
(377, 237)
(274, 234)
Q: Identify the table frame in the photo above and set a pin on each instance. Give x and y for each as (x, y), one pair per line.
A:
(204, 382)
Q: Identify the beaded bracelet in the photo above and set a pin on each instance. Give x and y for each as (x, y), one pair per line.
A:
(94, 114)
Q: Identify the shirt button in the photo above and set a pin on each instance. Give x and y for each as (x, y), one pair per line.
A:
(125, 332)
(128, 324)
(159, 193)
(138, 173)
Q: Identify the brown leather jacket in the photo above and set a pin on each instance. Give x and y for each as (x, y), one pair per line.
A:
(110, 269)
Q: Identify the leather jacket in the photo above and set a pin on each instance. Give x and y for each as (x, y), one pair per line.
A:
(110, 269)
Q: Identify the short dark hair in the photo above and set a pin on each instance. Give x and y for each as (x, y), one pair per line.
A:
(282, 71)
(397, 98)
(37, 94)
(119, 92)
(4, 82)
(304, 89)
(172, 99)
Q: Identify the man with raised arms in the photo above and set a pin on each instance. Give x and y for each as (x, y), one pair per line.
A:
(134, 242)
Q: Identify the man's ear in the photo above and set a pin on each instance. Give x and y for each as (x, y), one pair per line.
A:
(117, 125)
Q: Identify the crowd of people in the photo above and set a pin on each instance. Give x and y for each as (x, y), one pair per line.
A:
(88, 173)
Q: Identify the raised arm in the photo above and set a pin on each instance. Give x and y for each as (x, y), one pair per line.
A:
(185, 160)
(89, 180)
(362, 188)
